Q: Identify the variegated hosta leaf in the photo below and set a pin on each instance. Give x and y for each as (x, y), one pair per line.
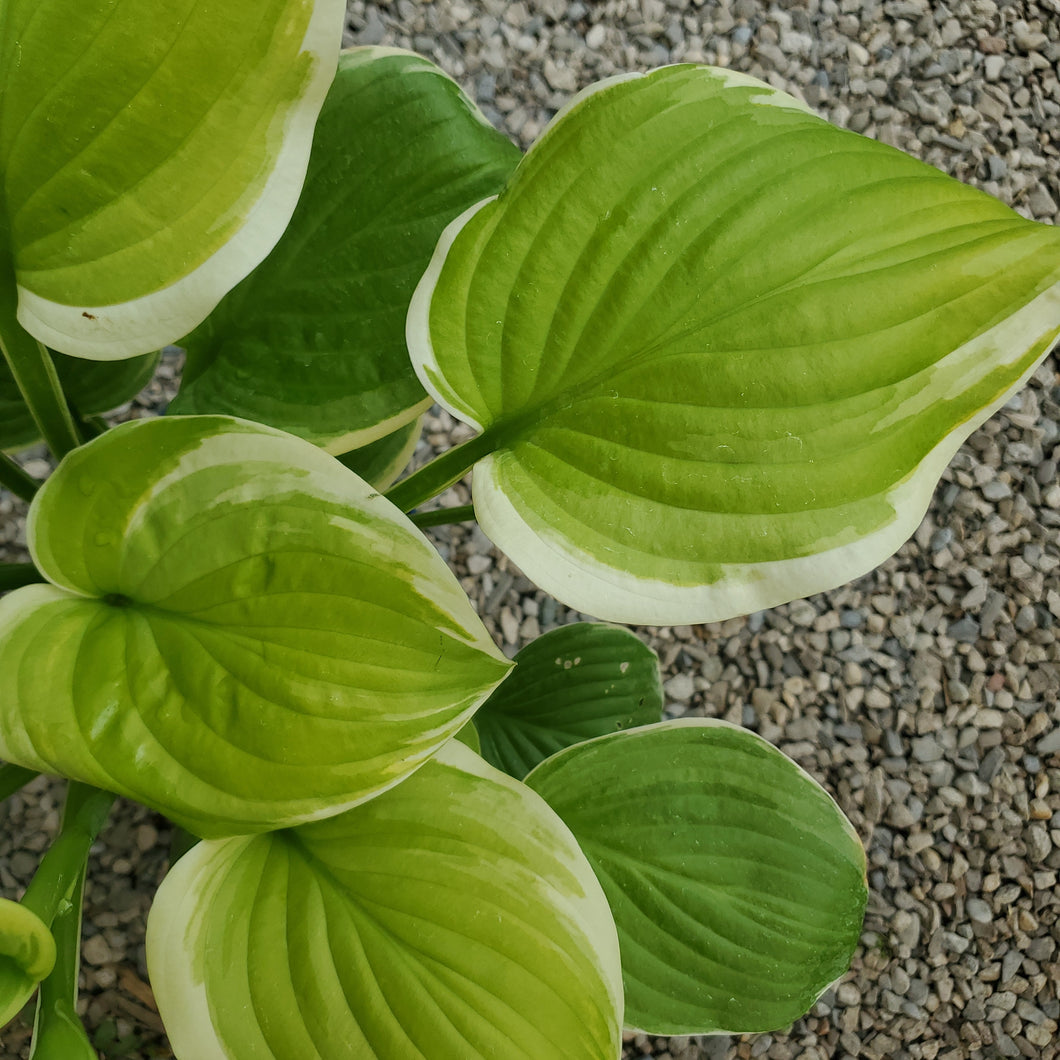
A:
(381, 462)
(313, 341)
(27, 955)
(151, 156)
(722, 350)
(452, 918)
(572, 684)
(240, 632)
(737, 884)
(92, 387)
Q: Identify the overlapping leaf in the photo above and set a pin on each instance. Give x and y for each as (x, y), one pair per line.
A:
(240, 632)
(27, 955)
(151, 156)
(451, 918)
(91, 387)
(313, 341)
(382, 461)
(737, 885)
(720, 349)
(572, 684)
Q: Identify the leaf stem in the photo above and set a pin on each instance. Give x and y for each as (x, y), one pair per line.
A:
(57, 1030)
(464, 513)
(12, 477)
(85, 814)
(31, 365)
(15, 575)
(93, 426)
(12, 778)
(442, 472)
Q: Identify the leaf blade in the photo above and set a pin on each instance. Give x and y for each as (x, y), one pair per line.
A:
(737, 885)
(313, 340)
(151, 157)
(241, 656)
(453, 916)
(571, 684)
(689, 427)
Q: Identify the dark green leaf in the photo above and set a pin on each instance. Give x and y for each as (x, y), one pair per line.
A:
(313, 341)
(570, 685)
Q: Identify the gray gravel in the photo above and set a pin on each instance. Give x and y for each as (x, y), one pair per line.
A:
(926, 695)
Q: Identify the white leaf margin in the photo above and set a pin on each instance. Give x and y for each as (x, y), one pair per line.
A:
(584, 581)
(141, 325)
(175, 922)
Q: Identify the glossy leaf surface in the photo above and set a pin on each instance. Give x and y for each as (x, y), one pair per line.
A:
(313, 341)
(571, 684)
(451, 918)
(151, 155)
(721, 349)
(240, 632)
(737, 884)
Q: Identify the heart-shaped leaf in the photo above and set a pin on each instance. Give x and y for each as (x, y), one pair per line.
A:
(737, 884)
(91, 387)
(240, 632)
(313, 341)
(452, 917)
(721, 351)
(152, 155)
(572, 684)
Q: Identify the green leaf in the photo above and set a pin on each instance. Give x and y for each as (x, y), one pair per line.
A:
(468, 736)
(91, 387)
(722, 351)
(152, 155)
(313, 341)
(27, 955)
(382, 461)
(240, 632)
(453, 917)
(737, 884)
(572, 684)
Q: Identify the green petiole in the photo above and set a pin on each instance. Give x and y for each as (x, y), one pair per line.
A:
(12, 477)
(464, 513)
(85, 814)
(58, 1030)
(441, 473)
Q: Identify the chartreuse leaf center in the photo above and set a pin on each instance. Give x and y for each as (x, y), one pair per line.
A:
(720, 349)
(151, 157)
(238, 631)
(451, 917)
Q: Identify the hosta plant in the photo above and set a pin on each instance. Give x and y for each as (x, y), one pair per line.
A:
(716, 354)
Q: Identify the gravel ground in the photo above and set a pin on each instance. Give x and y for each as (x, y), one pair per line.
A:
(926, 695)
